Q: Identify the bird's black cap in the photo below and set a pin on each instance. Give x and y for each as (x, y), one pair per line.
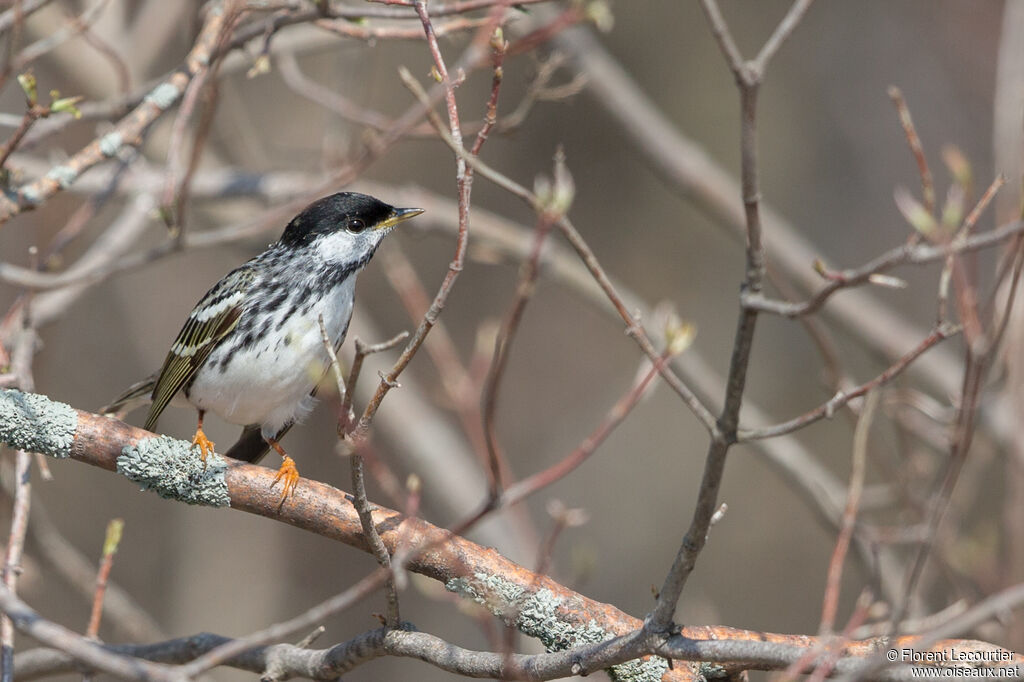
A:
(333, 213)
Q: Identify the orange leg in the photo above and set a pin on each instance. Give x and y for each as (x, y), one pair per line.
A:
(287, 473)
(200, 439)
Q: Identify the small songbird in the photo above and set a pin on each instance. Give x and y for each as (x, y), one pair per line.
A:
(252, 351)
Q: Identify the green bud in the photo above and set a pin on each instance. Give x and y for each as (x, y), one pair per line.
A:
(28, 85)
(958, 165)
(953, 209)
(67, 104)
(599, 13)
(114, 531)
(915, 213)
(498, 43)
(259, 67)
(679, 335)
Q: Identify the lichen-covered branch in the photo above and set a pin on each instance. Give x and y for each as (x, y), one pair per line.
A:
(538, 606)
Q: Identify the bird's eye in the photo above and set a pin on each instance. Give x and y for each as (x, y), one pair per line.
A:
(356, 225)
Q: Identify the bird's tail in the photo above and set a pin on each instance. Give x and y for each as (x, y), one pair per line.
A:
(138, 394)
(250, 446)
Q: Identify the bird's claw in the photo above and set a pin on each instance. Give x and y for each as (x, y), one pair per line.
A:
(289, 474)
(206, 447)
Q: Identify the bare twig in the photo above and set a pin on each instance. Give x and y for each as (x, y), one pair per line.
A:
(92, 654)
(502, 343)
(927, 183)
(348, 389)
(304, 621)
(464, 182)
(826, 410)
(748, 80)
(12, 557)
(906, 254)
(835, 567)
(526, 487)
(129, 131)
(110, 544)
(362, 504)
(586, 255)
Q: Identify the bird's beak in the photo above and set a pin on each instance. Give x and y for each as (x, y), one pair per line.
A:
(397, 216)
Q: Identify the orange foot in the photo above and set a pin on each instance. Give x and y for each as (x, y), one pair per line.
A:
(289, 474)
(204, 443)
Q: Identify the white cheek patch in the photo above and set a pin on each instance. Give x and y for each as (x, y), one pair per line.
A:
(344, 247)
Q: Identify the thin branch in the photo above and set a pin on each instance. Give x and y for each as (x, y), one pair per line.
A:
(464, 179)
(622, 408)
(130, 130)
(362, 350)
(826, 410)
(304, 621)
(691, 172)
(906, 254)
(782, 32)
(94, 655)
(586, 255)
(12, 557)
(347, 29)
(362, 504)
(502, 345)
(914, 141)
(110, 544)
(857, 470)
(748, 81)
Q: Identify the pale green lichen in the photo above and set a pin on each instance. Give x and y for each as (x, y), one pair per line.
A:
(163, 95)
(536, 614)
(62, 175)
(111, 143)
(712, 671)
(34, 423)
(30, 194)
(172, 469)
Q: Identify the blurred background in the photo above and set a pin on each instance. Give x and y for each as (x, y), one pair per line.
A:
(832, 153)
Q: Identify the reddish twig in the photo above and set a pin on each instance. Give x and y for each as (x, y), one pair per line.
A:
(113, 538)
(940, 333)
(464, 182)
(528, 486)
(33, 113)
(857, 471)
(905, 254)
(927, 183)
(589, 259)
(455, 378)
(502, 343)
(203, 83)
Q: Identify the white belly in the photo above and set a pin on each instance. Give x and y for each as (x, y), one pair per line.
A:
(269, 382)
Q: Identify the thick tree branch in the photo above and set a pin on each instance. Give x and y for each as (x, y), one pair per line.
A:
(537, 605)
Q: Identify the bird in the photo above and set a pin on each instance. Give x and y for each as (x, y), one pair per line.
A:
(251, 350)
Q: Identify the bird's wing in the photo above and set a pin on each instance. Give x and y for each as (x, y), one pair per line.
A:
(134, 396)
(207, 325)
